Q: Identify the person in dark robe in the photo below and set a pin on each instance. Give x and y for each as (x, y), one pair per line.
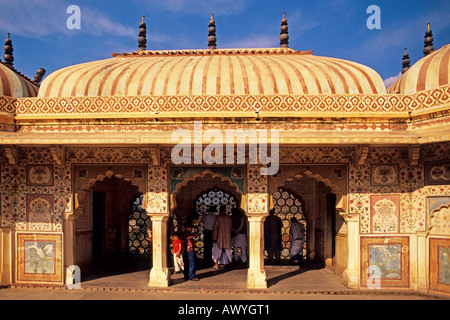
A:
(272, 233)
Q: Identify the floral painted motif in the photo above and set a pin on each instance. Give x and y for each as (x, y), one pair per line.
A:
(39, 175)
(385, 213)
(39, 212)
(384, 175)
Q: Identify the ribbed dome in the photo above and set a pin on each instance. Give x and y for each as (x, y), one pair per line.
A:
(13, 84)
(429, 72)
(219, 72)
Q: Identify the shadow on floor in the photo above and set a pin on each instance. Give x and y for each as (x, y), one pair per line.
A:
(116, 266)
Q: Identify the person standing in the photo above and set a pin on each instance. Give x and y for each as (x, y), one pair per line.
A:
(222, 239)
(177, 246)
(208, 223)
(272, 232)
(190, 268)
(239, 238)
(297, 234)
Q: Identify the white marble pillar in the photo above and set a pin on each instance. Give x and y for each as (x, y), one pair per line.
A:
(256, 275)
(159, 273)
(422, 261)
(351, 274)
(257, 210)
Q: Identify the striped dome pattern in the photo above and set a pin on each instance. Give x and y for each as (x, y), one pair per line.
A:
(13, 84)
(223, 72)
(429, 72)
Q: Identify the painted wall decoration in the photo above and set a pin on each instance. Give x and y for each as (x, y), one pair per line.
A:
(40, 212)
(437, 173)
(157, 179)
(438, 210)
(384, 175)
(39, 258)
(440, 220)
(387, 255)
(385, 211)
(39, 175)
(257, 203)
(440, 264)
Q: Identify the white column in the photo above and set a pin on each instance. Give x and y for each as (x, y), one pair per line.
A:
(351, 274)
(159, 273)
(422, 261)
(256, 275)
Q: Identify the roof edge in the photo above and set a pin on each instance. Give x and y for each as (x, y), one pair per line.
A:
(201, 52)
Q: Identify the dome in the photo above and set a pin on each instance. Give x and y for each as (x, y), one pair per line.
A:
(279, 71)
(14, 84)
(430, 72)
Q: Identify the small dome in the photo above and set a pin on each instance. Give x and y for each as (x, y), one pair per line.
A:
(14, 84)
(430, 72)
(278, 71)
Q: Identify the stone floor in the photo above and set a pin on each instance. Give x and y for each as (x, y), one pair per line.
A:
(279, 278)
(284, 282)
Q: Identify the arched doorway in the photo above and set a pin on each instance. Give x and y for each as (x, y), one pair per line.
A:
(313, 201)
(111, 228)
(287, 205)
(196, 196)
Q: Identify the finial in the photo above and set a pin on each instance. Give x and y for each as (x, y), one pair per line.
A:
(39, 75)
(9, 59)
(284, 36)
(405, 62)
(142, 40)
(428, 47)
(212, 34)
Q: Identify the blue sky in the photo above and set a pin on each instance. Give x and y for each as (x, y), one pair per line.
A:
(331, 28)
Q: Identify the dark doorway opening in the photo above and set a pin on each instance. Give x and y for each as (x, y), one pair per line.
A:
(115, 237)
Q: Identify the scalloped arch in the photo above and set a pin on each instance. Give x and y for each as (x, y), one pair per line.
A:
(81, 196)
(341, 203)
(199, 176)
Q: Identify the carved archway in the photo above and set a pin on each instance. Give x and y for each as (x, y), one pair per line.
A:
(79, 223)
(341, 203)
(80, 197)
(200, 176)
(323, 200)
(186, 196)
